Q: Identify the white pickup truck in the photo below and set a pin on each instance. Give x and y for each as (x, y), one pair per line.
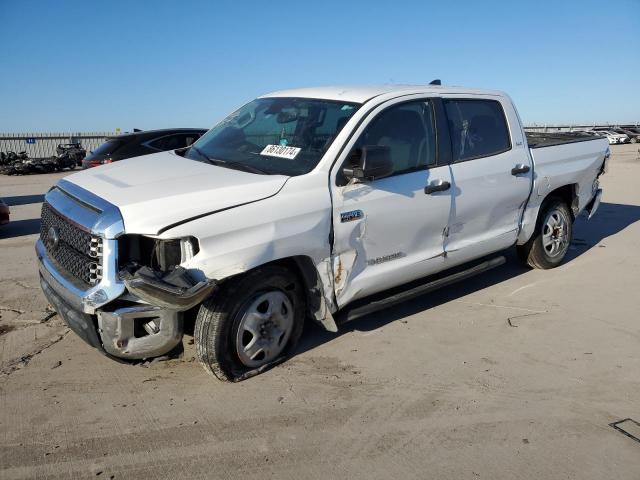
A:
(320, 203)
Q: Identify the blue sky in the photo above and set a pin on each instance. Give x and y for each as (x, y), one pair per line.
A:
(99, 65)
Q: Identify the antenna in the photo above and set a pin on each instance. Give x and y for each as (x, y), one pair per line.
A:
(435, 82)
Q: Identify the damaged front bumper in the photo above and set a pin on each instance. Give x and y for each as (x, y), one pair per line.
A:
(175, 290)
(132, 333)
(139, 332)
(145, 322)
(105, 313)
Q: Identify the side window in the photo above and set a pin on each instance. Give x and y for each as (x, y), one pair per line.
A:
(408, 129)
(168, 142)
(478, 128)
(189, 139)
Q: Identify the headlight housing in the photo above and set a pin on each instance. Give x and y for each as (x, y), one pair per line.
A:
(155, 253)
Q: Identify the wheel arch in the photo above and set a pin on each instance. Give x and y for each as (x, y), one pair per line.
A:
(304, 268)
(314, 288)
(567, 193)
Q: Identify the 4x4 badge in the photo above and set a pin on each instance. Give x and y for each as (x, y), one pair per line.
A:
(351, 216)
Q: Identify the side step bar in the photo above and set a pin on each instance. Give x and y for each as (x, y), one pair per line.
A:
(376, 304)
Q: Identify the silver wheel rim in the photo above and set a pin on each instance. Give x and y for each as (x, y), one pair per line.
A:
(264, 329)
(555, 233)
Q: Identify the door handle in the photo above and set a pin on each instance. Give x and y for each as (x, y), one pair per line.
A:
(520, 168)
(437, 186)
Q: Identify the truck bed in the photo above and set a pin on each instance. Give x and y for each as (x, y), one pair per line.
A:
(542, 139)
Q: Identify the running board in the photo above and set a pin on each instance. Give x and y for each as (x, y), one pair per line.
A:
(360, 309)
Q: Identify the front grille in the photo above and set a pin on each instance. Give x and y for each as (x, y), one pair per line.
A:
(77, 253)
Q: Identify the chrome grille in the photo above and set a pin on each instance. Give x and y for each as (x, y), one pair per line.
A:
(77, 252)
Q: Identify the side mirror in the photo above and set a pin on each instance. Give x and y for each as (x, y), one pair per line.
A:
(369, 163)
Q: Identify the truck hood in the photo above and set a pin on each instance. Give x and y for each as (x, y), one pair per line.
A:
(161, 189)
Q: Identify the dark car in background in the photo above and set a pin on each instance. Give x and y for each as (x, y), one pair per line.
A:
(138, 143)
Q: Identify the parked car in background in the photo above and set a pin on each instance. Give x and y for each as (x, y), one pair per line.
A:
(140, 143)
(4, 213)
(634, 135)
(613, 136)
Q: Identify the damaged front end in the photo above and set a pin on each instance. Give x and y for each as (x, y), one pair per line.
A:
(161, 289)
(147, 320)
(174, 290)
(151, 270)
(123, 294)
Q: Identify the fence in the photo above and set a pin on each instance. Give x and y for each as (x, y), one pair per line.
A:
(42, 145)
(572, 127)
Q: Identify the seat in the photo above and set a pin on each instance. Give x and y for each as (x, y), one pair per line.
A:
(403, 132)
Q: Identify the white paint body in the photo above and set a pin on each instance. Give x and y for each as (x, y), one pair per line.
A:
(262, 218)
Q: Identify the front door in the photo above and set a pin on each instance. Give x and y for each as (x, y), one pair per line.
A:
(390, 231)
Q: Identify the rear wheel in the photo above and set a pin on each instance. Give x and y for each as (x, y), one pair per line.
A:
(552, 237)
(251, 324)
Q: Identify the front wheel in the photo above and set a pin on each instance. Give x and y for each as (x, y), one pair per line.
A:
(251, 323)
(550, 242)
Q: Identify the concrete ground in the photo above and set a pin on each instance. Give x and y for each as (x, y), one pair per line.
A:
(515, 374)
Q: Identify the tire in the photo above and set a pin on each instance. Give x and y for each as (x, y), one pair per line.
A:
(542, 251)
(225, 344)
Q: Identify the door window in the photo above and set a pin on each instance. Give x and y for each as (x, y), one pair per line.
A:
(168, 142)
(189, 139)
(478, 128)
(408, 129)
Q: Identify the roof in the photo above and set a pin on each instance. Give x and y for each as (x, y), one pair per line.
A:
(161, 131)
(360, 94)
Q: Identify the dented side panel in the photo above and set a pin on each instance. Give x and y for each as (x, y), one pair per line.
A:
(577, 164)
(296, 222)
(397, 238)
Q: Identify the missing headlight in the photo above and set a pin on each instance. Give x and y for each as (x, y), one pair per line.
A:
(158, 254)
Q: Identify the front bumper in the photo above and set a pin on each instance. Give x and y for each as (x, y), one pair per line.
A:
(104, 315)
(81, 323)
(139, 332)
(133, 332)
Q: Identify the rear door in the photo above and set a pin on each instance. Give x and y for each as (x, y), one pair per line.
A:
(390, 231)
(492, 176)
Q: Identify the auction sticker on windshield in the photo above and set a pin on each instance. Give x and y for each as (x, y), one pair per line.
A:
(281, 151)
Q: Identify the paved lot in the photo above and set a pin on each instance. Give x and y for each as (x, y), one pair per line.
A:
(516, 374)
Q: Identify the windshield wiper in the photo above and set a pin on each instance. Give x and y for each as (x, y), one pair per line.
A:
(230, 164)
(202, 154)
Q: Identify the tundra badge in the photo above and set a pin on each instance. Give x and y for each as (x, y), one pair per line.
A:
(351, 216)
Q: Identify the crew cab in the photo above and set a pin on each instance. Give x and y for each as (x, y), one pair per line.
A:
(316, 203)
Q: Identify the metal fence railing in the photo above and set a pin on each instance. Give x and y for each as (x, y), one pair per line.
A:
(43, 145)
(571, 127)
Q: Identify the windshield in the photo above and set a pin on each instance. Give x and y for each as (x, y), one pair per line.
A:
(286, 136)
